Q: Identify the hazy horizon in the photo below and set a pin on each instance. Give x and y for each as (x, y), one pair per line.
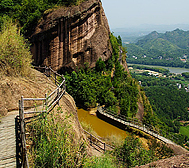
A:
(137, 13)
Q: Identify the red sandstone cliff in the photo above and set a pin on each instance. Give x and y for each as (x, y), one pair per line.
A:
(70, 36)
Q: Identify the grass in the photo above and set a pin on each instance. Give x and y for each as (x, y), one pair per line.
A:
(184, 130)
(106, 161)
(88, 128)
(55, 144)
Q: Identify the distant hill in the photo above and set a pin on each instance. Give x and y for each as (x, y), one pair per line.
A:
(177, 37)
(161, 48)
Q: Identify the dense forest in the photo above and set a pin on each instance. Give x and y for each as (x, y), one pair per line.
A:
(166, 49)
(169, 103)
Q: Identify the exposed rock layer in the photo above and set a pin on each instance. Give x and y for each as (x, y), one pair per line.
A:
(70, 36)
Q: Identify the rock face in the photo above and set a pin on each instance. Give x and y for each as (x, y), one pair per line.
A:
(70, 36)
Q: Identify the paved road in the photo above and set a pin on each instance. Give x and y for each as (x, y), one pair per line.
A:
(8, 141)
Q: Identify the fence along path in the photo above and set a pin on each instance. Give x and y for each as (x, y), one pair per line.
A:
(30, 106)
(136, 124)
(48, 103)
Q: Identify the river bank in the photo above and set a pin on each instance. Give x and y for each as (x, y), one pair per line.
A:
(171, 69)
(102, 128)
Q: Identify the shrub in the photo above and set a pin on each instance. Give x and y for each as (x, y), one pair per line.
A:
(15, 56)
(106, 161)
(54, 143)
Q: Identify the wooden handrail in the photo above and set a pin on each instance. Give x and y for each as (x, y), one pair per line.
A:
(149, 129)
(58, 93)
(103, 143)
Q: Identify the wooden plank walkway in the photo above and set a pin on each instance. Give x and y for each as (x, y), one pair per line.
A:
(143, 128)
(8, 141)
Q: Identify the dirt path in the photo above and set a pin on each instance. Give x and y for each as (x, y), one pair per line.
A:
(8, 141)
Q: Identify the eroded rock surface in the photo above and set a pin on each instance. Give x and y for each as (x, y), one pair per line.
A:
(70, 36)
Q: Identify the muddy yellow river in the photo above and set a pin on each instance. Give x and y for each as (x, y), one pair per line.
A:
(102, 128)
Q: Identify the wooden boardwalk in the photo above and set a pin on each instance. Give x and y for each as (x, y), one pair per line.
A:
(142, 128)
(8, 141)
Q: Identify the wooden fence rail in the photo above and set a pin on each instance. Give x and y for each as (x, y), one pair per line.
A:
(48, 103)
(93, 140)
(149, 129)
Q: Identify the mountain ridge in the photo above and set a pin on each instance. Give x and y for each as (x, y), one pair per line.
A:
(161, 49)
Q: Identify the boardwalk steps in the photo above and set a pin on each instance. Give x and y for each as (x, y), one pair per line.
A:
(8, 141)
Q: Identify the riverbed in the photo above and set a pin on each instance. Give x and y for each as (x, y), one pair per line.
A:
(171, 69)
(102, 128)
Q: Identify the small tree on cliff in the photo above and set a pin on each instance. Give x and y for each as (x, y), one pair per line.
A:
(100, 65)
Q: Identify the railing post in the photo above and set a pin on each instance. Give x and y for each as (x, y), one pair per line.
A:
(24, 150)
(90, 139)
(45, 99)
(104, 146)
(22, 129)
(50, 71)
(58, 94)
(45, 70)
(143, 127)
(55, 78)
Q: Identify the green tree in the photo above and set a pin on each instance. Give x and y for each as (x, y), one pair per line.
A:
(119, 40)
(100, 65)
(132, 153)
(185, 74)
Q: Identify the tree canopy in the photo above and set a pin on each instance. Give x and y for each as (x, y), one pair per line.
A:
(28, 12)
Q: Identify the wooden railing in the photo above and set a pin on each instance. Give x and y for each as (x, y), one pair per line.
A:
(45, 105)
(97, 142)
(131, 122)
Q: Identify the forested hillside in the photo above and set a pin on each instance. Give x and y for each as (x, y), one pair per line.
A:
(109, 85)
(166, 49)
(170, 104)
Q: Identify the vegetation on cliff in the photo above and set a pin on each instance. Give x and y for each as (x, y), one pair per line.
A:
(132, 153)
(15, 56)
(27, 12)
(55, 145)
(109, 85)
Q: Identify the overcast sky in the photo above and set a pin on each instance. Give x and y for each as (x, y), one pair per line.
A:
(129, 13)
